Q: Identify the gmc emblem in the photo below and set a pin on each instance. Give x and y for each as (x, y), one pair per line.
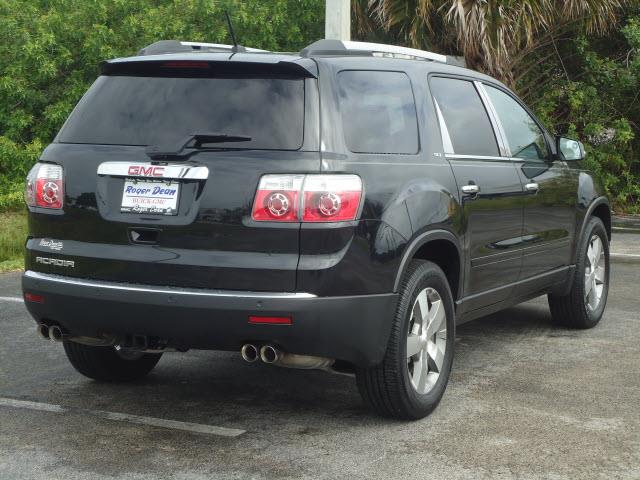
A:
(143, 171)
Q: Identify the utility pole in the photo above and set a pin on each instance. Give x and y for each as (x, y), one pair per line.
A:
(337, 23)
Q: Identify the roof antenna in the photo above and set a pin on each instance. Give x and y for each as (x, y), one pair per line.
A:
(236, 48)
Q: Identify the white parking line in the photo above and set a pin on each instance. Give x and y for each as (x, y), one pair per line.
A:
(11, 299)
(124, 417)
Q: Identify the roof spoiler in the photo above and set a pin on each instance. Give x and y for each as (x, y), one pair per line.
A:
(175, 65)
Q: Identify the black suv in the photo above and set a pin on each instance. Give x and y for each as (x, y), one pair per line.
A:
(340, 209)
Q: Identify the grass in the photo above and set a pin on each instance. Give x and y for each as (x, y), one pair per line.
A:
(13, 232)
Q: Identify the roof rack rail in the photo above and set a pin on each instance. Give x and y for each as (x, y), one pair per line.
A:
(175, 46)
(344, 47)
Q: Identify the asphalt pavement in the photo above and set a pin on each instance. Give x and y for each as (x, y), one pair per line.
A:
(625, 246)
(526, 400)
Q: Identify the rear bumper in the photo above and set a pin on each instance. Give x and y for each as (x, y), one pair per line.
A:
(350, 328)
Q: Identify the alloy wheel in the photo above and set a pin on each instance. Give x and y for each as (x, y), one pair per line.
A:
(594, 273)
(426, 340)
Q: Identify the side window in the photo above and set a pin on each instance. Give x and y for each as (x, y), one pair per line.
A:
(465, 117)
(524, 137)
(378, 112)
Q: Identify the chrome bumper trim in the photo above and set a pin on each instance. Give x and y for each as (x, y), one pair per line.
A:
(47, 277)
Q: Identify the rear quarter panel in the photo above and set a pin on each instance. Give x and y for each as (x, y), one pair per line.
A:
(405, 195)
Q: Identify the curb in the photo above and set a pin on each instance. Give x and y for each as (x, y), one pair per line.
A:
(624, 258)
(624, 230)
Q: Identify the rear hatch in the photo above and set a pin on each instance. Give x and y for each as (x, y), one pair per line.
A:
(140, 208)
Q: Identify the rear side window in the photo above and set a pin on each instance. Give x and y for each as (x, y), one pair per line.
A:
(130, 110)
(465, 116)
(378, 112)
(524, 136)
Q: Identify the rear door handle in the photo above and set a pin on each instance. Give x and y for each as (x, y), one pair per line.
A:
(470, 189)
(532, 187)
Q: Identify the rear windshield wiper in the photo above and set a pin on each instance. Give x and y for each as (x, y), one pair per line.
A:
(191, 142)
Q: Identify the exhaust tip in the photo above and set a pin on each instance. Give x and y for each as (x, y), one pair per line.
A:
(249, 353)
(269, 354)
(43, 331)
(55, 333)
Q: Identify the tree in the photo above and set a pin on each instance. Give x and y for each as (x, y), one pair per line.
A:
(494, 36)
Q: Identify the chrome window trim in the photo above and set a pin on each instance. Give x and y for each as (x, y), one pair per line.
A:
(501, 137)
(458, 156)
(121, 169)
(164, 290)
(444, 131)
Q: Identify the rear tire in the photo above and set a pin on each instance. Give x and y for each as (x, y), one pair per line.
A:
(405, 385)
(107, 365)
(584, 306)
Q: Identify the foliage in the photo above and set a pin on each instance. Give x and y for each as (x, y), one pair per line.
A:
(589, 89)
(492, 35)
(12, 197)
(12, 237)
(50, 51)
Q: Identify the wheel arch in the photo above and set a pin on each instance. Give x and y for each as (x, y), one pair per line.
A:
(600, 208)
(603, 211)
(440, 247)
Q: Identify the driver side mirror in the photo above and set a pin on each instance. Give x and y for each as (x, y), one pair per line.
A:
(569, 150)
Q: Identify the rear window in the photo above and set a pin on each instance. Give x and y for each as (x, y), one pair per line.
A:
(378, 112)
(129, 110)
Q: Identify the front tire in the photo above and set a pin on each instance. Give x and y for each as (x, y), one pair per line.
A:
(413, 375)
(107, 365)
(584, 306)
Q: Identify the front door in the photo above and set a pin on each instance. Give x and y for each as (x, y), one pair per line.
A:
(549, 188)
(490, 191)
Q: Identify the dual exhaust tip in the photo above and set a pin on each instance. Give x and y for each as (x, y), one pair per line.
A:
(267, 353)
(50, 332)
(270, 354)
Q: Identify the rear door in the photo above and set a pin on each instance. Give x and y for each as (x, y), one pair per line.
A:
(202, 235)
(489, 188)
(549, 187)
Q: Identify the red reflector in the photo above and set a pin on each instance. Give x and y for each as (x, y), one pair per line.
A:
(270, 320)
(32, 297)
(185, 65)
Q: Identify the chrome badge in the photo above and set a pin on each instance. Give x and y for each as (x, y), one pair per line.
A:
(52, 244)
(58, 262)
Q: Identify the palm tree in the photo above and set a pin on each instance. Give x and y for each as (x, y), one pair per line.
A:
(494, 36)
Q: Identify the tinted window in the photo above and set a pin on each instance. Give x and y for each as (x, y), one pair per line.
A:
(129, 110)
(524, 137)
(378, 112)
(465, 116)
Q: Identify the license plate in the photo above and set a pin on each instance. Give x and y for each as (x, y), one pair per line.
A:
(155, 197)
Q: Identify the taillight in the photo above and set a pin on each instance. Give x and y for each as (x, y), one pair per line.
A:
(278, 198)
(45, 186)
(307, 198)
(331, 198)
